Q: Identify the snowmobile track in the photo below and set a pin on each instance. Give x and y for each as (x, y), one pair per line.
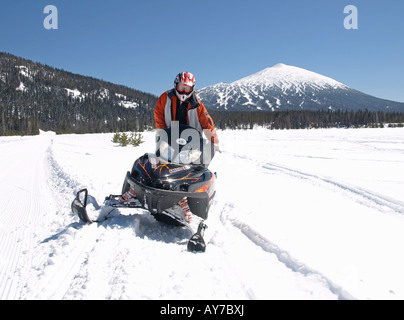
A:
(282, 255)
(360, 195)
(58, 280)
(357, 194)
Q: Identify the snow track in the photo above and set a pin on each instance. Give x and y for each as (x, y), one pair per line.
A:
(362, 196)
(287, 222)
(25, 208)
(282, 255)
(61, 270)
(358, 194)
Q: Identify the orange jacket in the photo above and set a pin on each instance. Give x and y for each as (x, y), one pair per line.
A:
(196, 114)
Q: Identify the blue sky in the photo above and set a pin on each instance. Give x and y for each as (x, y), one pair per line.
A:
(144, 44)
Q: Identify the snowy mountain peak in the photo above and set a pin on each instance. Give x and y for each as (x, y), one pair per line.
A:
(286, 77)
(279, 65)
(285, 87)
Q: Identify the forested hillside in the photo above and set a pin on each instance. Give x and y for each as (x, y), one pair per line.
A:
(35, 96)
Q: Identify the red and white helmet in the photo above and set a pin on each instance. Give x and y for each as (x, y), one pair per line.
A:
(184, 85)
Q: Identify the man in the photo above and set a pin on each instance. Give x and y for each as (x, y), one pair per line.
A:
(181, 104)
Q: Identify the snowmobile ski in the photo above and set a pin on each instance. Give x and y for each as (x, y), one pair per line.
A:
(197, 243)
(111, 202)
(79, 205)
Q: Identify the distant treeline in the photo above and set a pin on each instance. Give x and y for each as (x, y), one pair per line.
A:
(306, 119)
(21, 125)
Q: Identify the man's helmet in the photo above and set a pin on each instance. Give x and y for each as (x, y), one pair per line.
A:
(184, 85)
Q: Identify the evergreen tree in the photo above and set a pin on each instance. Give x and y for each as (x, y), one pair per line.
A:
(117, 137)
(124, 140)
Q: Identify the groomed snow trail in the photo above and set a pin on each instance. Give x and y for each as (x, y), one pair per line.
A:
(296, 216)
(27, 209)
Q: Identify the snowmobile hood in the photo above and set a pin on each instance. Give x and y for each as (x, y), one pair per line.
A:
(170, 176)
(173, 171)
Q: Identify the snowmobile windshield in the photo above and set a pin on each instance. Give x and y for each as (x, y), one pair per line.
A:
(169, 154)
(180, 144)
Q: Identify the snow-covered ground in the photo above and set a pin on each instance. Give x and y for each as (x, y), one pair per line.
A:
(298, 214)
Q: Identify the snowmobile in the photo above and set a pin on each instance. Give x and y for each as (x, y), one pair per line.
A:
(174, 178)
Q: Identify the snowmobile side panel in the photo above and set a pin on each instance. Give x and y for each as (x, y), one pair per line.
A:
(157, 200)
